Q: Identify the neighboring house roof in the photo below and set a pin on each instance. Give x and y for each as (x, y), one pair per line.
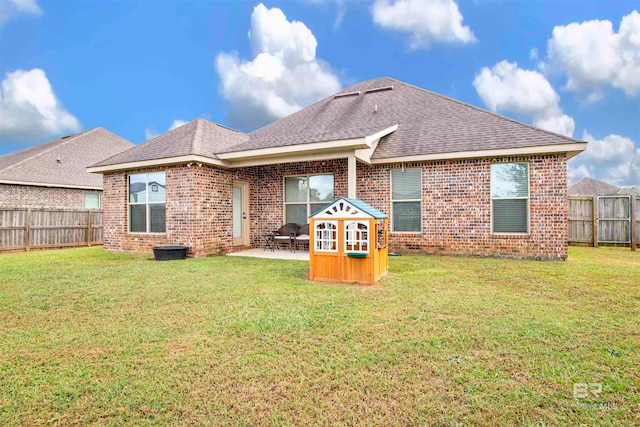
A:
(592, 187)
(62, 162)
(379, 121)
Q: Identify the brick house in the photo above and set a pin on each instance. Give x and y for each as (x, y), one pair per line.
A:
(453, 178)
(54, 174)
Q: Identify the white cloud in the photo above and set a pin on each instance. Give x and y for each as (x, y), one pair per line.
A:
(283, 77)
(11, 8)
(591, 54)
(177, 123)
(560, 124)
(29, 108)
(576, 173)
(506, 87)
(426, 21)
(613, 159)
(151, 131)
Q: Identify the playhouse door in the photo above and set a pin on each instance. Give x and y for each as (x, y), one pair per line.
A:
(240, 213)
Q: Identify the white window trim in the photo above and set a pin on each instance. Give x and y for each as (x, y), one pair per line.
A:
(362, 242)
(391, 219)
(315, 239)
(147, 203)
(528, 198)
(308, 202)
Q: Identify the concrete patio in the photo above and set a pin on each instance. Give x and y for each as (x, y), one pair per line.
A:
(277, 254)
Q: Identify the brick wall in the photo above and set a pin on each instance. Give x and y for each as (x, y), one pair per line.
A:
(42, 197)
(456, 207)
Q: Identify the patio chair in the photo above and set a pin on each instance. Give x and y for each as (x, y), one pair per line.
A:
(302, 237)
(285, 235)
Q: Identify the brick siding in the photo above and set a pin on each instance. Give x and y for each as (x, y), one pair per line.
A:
(456, 206)
(32, 196)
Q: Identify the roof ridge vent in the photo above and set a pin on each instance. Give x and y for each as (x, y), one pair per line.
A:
(378, 89)
(344, 95)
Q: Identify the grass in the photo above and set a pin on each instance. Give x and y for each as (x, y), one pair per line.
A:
(93, 338)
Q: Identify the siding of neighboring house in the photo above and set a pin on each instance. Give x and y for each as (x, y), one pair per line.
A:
(456, 206)
(43, 197)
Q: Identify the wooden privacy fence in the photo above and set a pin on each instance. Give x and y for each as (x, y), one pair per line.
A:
(596, 220)
(40, 228)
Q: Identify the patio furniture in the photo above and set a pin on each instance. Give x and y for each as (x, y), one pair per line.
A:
(302, 237)
(269, 242)
(285, 235)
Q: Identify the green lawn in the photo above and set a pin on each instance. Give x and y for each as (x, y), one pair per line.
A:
(93, 338)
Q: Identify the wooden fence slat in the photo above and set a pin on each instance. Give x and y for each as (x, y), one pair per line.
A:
(39, 228)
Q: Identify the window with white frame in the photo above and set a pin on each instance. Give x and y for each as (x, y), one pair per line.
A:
(406, 200)
(326, 236)
(510, 198)
(92, 200)
(356, 237)
(305, 195)
(147, 202)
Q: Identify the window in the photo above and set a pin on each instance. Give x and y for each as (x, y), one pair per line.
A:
(92, 200)
(305, 195)
(510, 197)
(147, 201)
(326, 236)
(356, 237)
(406, 196)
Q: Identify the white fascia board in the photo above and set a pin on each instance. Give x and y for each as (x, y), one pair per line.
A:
(364, 154)
(49, 185)
(309, 157)
(159, 162)
(572, 149)
(376, 136)
(292, 150)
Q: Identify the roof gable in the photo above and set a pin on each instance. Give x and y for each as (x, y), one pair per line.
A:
(62, 162)
(348, 208)
(196, 138)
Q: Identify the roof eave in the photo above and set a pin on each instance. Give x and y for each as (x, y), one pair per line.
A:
(50, 185)
(158, 162)
(571, 149)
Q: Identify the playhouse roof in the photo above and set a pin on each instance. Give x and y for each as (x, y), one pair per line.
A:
(345, 207)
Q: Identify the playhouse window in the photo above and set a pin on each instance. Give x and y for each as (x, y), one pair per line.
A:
(510, 198)
(326, 236)
(406, 198)
(356, 237)
(147, 202)
(304, 195)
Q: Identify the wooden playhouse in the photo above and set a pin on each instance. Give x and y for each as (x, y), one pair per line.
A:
(348, 243)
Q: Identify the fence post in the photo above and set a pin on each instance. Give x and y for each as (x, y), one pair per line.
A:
(633, 223)
(594, 217)
(27, 231)
(89, 231)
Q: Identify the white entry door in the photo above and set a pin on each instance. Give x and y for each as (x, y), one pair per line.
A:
(240, 213)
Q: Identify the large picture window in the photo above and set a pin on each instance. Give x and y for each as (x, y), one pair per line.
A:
(510, 197)
(406, 197)
(304, 195)
(147, 202)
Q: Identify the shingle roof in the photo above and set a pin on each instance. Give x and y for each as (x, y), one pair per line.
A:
(592, 187)
(357, 203)
(39, 165)
(198, 137)
(429, 123)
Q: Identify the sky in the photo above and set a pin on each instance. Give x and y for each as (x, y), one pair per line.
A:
(141, 68)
